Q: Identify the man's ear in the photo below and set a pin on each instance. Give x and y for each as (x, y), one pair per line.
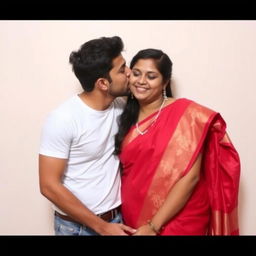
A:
(102, 84)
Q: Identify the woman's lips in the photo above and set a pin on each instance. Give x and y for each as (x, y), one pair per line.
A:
(141, 89)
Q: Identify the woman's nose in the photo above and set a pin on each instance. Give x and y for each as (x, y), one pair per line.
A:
(142, 79)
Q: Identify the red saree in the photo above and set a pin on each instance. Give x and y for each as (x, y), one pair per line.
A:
(154, 162)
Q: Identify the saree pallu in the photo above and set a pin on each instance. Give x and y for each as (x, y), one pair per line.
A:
(154, 162)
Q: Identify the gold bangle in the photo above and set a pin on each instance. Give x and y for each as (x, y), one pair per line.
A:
(153, 227)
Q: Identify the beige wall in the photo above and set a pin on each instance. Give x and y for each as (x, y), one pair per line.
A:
(214, 64)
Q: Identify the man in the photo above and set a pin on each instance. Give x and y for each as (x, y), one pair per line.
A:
(77, 169)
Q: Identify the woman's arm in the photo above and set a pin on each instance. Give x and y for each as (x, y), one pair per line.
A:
(175, 201)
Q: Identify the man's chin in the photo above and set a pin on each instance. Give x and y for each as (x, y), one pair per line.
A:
(126, 93)
(121, 94)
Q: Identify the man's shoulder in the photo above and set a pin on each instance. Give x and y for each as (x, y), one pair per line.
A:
(67, 103)
(64, 110)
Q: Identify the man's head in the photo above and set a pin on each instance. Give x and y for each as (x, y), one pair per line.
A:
(100, 60)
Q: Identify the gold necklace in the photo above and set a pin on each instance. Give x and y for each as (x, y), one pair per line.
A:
(154, 120)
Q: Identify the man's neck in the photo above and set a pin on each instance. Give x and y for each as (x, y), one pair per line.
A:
(96, 100)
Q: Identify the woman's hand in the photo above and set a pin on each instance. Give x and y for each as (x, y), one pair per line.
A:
(144, 230)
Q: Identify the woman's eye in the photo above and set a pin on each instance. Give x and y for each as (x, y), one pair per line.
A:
(135, 73)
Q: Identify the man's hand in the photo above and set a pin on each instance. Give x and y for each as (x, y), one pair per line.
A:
(116, 229)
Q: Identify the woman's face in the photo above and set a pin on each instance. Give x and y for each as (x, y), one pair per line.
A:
(146, 82)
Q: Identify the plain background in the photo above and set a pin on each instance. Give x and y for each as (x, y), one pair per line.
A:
(214, 63)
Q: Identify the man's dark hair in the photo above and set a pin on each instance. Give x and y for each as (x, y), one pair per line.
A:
(94, 60)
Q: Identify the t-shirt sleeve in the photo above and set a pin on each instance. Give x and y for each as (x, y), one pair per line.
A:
(56, 136)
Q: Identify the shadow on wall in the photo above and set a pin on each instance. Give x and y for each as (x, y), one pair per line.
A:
(174, 88)
(241, 205)
(50, 217)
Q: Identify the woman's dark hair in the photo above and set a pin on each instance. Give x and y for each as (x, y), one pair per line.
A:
(94, 60)
(130, 115)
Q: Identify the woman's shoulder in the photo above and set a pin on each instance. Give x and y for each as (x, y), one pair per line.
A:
(195, 111)
(196, 106)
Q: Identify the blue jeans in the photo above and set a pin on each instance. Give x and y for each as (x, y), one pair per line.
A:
(69, 228)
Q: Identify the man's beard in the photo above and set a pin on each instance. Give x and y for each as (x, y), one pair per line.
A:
(120, 93)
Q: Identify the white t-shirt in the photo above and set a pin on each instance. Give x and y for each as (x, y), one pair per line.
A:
(85, 137)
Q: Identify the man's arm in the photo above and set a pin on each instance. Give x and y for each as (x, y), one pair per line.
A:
(51, 171)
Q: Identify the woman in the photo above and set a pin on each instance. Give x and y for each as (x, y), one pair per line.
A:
(180, 170)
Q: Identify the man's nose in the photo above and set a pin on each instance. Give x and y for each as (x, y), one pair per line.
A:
(128, 72)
